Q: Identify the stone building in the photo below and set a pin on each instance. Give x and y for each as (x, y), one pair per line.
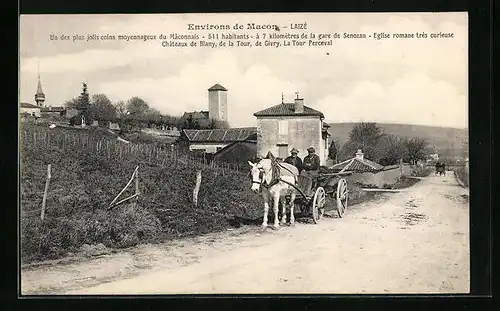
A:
(217, 109)
(291, 125)
(30, 109)
(217, 103)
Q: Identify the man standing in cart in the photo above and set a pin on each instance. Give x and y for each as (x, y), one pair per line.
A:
(311, 162)
(294, 160)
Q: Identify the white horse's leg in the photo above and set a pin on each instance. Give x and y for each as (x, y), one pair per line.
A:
(292, 204)
(276, 209)
(283, 210)
(266, 211)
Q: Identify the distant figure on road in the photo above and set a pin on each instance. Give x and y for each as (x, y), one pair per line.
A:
(294, 160)
(443, 169)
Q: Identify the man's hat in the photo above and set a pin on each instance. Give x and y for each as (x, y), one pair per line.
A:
(311, 149)
(294, 151)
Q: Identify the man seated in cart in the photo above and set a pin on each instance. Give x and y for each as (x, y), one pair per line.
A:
(311, 162)
(311, 165)
(294, 160)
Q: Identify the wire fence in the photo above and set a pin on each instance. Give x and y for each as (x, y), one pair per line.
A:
(112, 148)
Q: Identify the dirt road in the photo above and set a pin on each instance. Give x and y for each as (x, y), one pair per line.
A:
(416, 241)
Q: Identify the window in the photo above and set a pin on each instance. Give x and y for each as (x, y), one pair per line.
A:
(282, 151)
(283, 127)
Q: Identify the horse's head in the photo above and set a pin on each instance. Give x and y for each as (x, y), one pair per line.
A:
(260, 173)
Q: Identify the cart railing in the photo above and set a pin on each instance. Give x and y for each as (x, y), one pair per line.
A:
(346, 173)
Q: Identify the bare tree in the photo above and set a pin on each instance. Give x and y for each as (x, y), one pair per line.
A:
(121, 109)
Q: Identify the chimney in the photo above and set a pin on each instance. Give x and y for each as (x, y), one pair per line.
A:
(299, 104)
(359, 154)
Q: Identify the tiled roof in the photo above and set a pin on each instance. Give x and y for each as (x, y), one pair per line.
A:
(28, 105)
(220, 135)
(217, 87)
(247, 143)
(358, 165)
(287, 109)
(196, 115)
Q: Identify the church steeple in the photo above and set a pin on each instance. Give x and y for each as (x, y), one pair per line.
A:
(39, 96)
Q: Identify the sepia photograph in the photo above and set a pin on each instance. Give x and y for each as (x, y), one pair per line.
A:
(244, 153)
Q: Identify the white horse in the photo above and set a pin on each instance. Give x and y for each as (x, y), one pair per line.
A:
(274, 185)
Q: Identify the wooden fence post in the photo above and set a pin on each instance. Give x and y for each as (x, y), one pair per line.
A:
(136, 187)
(44, 201)
(197, 188)
(42, 214)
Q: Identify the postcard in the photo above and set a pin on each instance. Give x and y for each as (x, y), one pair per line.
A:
(244, 153)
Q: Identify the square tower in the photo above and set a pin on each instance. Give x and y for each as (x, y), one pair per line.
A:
(217, 103)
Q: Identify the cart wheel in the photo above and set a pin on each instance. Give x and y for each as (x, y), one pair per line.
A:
(318, 204)
(342, 197)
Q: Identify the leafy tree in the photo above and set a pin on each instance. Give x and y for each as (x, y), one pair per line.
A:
(101, 108)
(415, 149)
(366, 133)
(391, 149)
(364, 136)
(137, 107)
(190, 122)
(72, 103)
(332, 151)
(152, 115)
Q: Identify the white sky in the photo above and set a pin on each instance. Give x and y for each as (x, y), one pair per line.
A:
(419, 81)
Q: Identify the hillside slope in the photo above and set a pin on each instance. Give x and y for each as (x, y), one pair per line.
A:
(89, 168)
(444, 139)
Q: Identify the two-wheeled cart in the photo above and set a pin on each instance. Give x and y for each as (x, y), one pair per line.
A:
(313, 192)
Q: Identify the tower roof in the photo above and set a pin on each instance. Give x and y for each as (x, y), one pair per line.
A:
(217, 87)
(39, 87)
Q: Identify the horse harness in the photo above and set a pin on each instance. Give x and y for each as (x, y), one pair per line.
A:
(275, 168)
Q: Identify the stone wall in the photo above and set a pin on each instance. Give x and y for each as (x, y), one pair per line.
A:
(379, 179)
